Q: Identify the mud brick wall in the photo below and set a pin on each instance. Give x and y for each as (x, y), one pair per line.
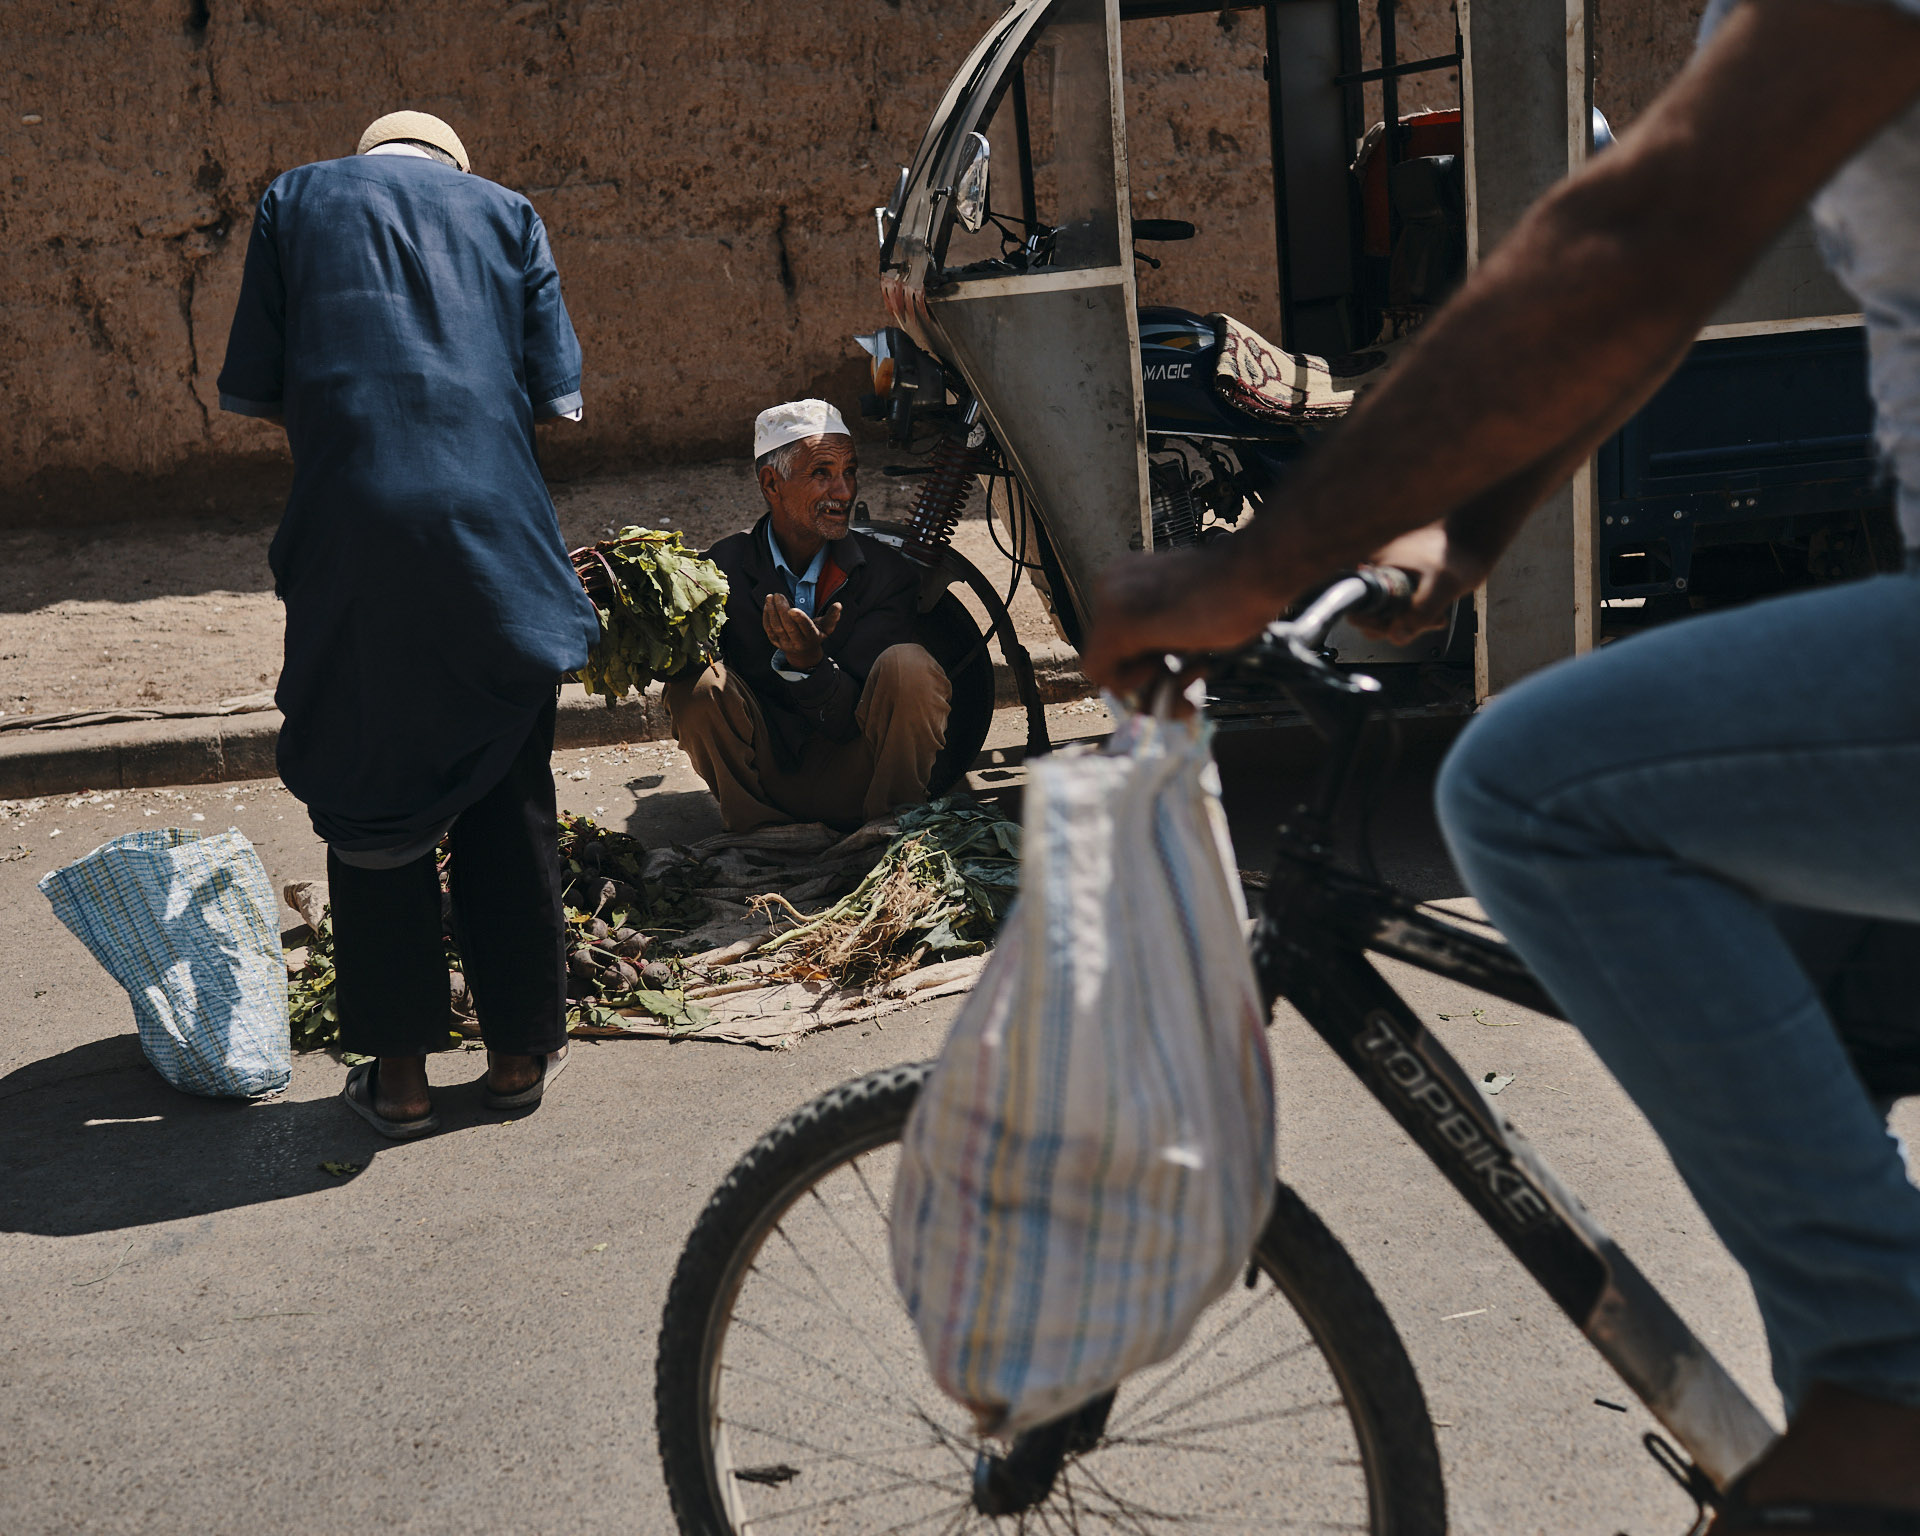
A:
(706, 172)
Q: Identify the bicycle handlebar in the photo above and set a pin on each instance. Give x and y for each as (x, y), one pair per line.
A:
(1370, 589)
(1293, 646)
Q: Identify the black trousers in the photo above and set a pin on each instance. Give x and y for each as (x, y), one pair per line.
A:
(504, 875)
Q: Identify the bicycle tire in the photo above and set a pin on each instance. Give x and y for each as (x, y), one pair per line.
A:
(1328, 1294)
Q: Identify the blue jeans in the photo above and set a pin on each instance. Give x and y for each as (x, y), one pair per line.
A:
(1628, 819)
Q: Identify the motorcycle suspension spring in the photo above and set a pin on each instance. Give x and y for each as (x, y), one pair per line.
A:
(950, 481)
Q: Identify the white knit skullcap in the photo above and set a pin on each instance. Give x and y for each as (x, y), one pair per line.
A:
(779, 425)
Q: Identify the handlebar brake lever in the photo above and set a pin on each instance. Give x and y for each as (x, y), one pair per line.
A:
(1304, 662)
(1292, 647)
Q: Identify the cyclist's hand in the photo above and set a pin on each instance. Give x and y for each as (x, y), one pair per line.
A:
(1444, 568)
(1184, 601)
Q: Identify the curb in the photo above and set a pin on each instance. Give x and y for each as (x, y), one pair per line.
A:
(147, 753)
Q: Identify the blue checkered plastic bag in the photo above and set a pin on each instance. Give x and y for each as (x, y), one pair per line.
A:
(188, 925)
(1091, 1159)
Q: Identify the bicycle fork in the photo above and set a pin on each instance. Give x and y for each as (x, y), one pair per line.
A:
(1544, 1225)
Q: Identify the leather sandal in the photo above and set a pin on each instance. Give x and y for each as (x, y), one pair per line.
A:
(551, 1066)
(360, 1093)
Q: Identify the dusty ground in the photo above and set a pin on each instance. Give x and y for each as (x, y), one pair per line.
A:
(188, 1301)
(184, 613)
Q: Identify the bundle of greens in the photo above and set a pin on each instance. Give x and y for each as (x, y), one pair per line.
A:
(661, 609)
(603, 871)
(613, 915)
(311, 1011)
(938, 894)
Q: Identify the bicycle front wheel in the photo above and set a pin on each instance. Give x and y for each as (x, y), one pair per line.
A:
(791, 1393)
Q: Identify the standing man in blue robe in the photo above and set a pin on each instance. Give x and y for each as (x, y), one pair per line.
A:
(403, 319)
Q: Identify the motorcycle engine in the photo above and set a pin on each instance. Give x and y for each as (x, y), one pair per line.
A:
(1176, 517)
(1194, 493)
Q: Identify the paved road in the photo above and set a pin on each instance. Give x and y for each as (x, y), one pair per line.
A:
(202, 1331)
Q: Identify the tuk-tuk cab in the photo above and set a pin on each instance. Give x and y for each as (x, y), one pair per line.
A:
(1019, 359)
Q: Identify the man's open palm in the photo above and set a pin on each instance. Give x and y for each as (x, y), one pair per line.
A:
(793, 632)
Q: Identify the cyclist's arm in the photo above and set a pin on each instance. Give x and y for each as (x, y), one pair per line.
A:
(1563, 330)
(1453, 556)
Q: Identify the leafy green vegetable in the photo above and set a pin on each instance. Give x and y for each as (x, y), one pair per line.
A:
(670, 1007)
(311, 1008)
(661, 609)
(938, 894)
(613, 913)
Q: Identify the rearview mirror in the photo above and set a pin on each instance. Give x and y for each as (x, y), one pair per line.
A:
(887, 219)
(970, 191)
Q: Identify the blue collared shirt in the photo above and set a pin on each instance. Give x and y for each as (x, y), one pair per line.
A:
(801, 589)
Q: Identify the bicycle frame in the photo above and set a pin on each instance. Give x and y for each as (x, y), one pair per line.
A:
(1311, 946)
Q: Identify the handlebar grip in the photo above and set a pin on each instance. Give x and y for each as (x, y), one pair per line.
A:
(1294, 644)
(1388, 587)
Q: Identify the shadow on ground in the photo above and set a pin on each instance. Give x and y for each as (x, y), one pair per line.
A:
(670, 816)
(133, 562)
(93, 1139)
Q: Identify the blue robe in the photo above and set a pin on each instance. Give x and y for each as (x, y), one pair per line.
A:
(405, 320)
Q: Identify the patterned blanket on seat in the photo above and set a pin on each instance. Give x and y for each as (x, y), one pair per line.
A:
(1272, 384)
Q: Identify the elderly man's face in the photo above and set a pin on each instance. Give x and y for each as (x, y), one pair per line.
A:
(814, 503)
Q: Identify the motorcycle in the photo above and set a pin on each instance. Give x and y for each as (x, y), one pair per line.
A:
(1019, 360)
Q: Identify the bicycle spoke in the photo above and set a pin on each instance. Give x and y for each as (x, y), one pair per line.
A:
(962, 1520)
(913, 1410)
(795, 1292)
(1261, 1416)
(873, 1200)
(1134, 1514)
(1213, 1392)
(860, 1333)
(1118, 1512)
(958, 1522)
(841, 1503)
(833, 1455)
(760, 1330)
(792, 1391)
(832, 1216)
(1065, 1486)
(1197, 1351)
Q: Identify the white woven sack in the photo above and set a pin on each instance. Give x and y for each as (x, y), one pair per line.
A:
(189, 926)
(1091, 1159)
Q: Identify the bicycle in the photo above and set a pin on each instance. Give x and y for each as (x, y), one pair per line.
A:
(789, 1388)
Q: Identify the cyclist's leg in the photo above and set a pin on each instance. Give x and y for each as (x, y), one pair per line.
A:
(1625, 819)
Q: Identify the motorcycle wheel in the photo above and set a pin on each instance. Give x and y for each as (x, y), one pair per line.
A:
(948, 630)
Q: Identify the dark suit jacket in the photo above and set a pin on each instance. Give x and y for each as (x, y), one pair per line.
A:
(879, 600)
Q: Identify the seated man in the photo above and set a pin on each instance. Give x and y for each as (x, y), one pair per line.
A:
(821, 707)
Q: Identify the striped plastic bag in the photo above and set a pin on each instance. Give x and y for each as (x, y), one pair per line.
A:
(1091, 1159)
(189, 926)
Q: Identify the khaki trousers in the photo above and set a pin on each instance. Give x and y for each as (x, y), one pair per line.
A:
(902, 718)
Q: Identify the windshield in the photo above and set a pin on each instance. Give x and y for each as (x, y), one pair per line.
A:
(980, 68)
(926, 212)
(1069, 93)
